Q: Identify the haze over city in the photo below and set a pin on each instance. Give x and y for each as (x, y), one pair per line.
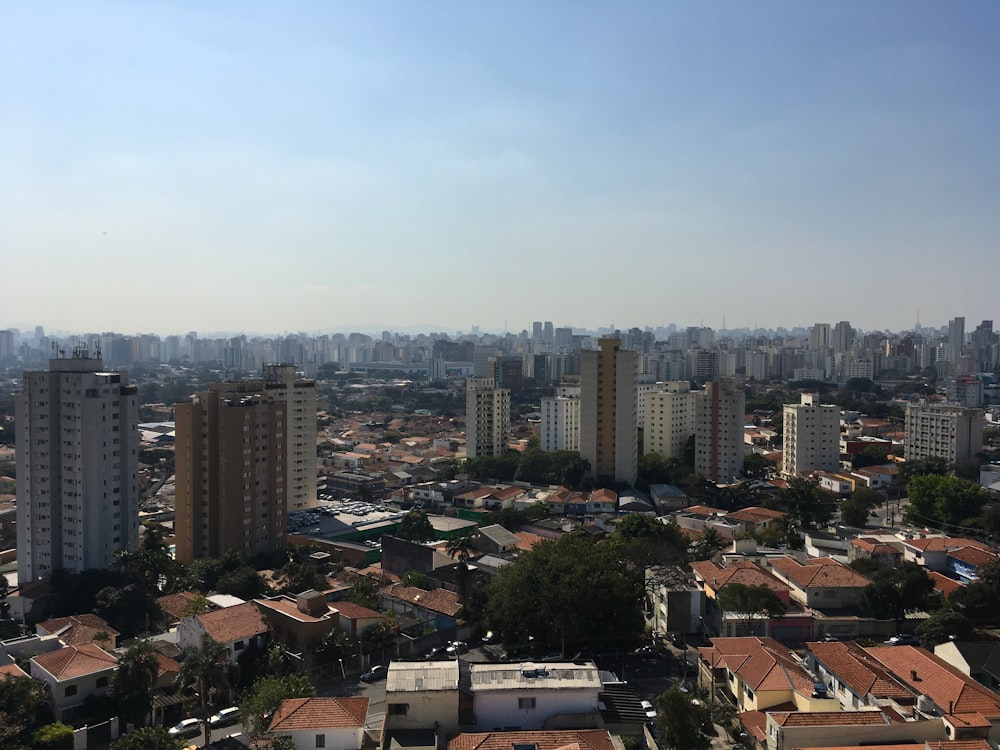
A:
(263, 168)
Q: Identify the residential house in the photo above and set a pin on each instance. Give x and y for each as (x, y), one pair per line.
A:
(798, 730)
(677, 604)
(978, 659)
(832, 591)
(299, 624)
(422, 695)
(73, 674)
(356, 620)
(697, 518)
(754, 517)
(236, 628)
(575, 739)
(79, 629)
(330, 723)
(535, 696)
(886, 550)
(855, 678)
(495, 539)
(421, 612)
(956, 557)
(602, 501)
(177, 606)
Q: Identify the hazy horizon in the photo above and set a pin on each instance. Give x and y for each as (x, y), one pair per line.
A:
(303, 166)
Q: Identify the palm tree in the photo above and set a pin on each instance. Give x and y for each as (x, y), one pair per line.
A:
(461, 547)
(134, 680)
(207, 671)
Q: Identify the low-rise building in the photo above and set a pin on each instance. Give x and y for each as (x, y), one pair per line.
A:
(580, 739)
(535, 696)
(236, 628)
(422, 695)
(330, 723)
(73, 674)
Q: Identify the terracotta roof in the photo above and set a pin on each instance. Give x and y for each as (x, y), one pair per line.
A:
(747, 573)
(755, 515)
(353, 611)
(79, 628)
(950, 689)
(296, 714)
(233, 623)
(584, 739)
(755, 722)
(863, 674)
(829, 718)
(437, 600)
(820, 571)
(943, 543)
(527, 540)
(762, 663)
(603, 495)
(947, 586)
(176, 605)
(915, 746)
(166, 666)
(875, 546)
(73, 661)
(972, 556)
(12, 670)
(703, 510)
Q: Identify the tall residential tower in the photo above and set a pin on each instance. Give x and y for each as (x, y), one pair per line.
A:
(608, 411)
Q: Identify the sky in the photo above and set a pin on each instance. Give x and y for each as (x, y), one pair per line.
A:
(317, 166)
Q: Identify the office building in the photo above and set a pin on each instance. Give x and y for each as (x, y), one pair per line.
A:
(245, 455)
(608, 411)
(719, 431)
(487, 418)
(77, 465)
(953, 433)
(811, 437)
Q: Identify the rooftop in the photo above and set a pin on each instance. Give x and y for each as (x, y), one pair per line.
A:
(296, 714)
(408, 676)
(75, 661)
(526, 675)
(579, 739)
(233, 623)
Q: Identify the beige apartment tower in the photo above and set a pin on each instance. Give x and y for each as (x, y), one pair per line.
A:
(245, 455)
(670, 418)
(953, 433)
(608, 411)
(719, 451)
(487, 418)
(811, 439)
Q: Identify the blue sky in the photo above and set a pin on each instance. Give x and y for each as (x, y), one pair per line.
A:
(266, 167)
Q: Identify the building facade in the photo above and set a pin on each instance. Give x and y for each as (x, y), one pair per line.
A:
(245, 454)
(560, 427)
(77, 465)
(487, 418)
(719, 431)
(811, 437)
(950, 432)
(608, 411)
(670, 419)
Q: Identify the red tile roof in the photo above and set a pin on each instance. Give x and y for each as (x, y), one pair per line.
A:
(579, 739)
(820, 571)
(438, 600)
(945, 585)
(235, 623)
(12, 670)
(755, 515)
(176, 605)
(745, 572)
(79, 628)
(829, 718)
(319, 713)
(863, 674)
(353, 611)
(762, 663)
(74, 661)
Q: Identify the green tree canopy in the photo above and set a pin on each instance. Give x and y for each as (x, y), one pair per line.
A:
(132, 683)
(206, 671)
(853, 513)
(682, 720)
(416, 527)
(24, 702)
(943, 625)
(364, 592)
(896, 591)
(147, 738)
(751, 603)
(807, 503)
(56, 736)
(259, 704)
(944, 500)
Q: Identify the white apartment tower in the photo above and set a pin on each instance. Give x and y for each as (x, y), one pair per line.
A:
(560, 428)
(487, 418)
(670, 418)
(953, 433)
(77, 461)
(608, 410)
(718, 453)
(811, 437)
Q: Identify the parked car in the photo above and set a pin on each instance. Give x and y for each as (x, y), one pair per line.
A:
(677, 640)
(226, 717)
(375, 673)
(904, 639)
(646, 652)
(649, 709)
(457, 647)
(435, 652)
(185, 728)
(489, 638)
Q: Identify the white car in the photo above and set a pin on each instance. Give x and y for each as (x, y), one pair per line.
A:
(648, 708)
(186, 728)
(226, 717)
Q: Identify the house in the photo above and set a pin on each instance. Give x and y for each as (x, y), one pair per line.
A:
(301, 623)
(578, 739)
(956, 557)
(76, 630)
(697, 518)
(330, 723)
(422, 695)
(888, 551)
(178, 605)
(521, 696)
(978, 659)
(821, 582)
(421, 612)
(73, 674)
(602, 501)
(760, 673)
(356, 620)
(793, 731)
(677, 605)
(855, 678)
(754, 517)
(236, 628)
(495, 539)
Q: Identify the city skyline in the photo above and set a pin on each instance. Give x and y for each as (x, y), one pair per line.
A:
(301, 168)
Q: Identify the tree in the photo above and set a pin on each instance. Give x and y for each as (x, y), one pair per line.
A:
(56, 736)
(132, 683)
(461, 547)
(751, 603)
(869, 567)
(364, 592)
(681, 721)
(977, 602)
(755, 466)
(335, 645)
(243, 581)
(418, 580)
(944, 500)
(853, 513)
(896, 591)
(297, 577)
(807, 503)
(708, 544)
(932, 465)
(206, 670)
(942, 626)
(263, 699)
(147, 738)
(23, 703)
(416, 527)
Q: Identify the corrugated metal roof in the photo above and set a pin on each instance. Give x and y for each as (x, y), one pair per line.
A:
(555, 675)
(415, 676)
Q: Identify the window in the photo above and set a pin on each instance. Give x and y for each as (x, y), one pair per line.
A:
(397, 709)
(320, 740)
(239, 646)
(526, 703)
(102, 682)
(70, 690)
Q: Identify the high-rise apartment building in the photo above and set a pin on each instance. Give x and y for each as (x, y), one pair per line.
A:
(670, 418)
(77, 465)
(560, 428)
(487, 418)
(950, 432)
(843, 337)
(811, 437)
(608, 406)
(245, 455)
(719, 431)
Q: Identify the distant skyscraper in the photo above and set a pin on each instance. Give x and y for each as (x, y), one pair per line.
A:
(487, 418)
(245, 454)
(77, 465)
(956, 336)
(608, 406)
(819, 337)
(811, 437)
(719, 432)
(843, 337)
